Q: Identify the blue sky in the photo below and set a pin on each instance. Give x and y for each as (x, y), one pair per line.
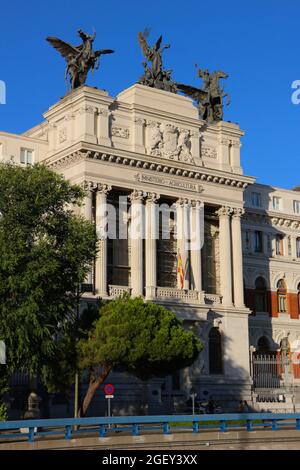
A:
(255, 42)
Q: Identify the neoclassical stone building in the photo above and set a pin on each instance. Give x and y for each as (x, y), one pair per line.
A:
(147, 148)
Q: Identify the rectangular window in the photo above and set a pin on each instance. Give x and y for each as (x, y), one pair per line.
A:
(279, 245)
(296, 205)
(276, 203)
(258, 241)
(298, 247)
(26, 157)
(256, 199)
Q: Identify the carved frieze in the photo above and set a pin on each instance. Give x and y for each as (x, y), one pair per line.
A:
(209, 152)
(121, 132)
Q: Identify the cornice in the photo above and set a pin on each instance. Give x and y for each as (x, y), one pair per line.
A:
(84, 151)
(272, 219)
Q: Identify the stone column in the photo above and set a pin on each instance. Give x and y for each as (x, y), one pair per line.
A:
(196, 239)
(88, 215)
(294, 246)
(101, 227)
(182, 208)
(237, 257)
(225, 255)
(136, 238)
(152, 234)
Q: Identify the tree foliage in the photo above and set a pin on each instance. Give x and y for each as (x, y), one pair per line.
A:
(142, 338)
(45, 252)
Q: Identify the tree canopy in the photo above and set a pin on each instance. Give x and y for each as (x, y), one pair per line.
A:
(45, 252)
(142, 338)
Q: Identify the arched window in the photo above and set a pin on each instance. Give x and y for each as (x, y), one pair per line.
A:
(263, 345)
(215, 351)
(281, 296)
(261, 304)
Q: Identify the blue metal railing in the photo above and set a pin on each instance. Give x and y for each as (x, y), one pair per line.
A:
(197, 423)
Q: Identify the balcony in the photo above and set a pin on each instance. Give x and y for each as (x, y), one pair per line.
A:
(170, 293)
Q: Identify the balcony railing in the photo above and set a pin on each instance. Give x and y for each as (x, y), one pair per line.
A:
(170, 293)
(118, 291)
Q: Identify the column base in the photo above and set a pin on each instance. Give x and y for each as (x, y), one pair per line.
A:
(150, 292)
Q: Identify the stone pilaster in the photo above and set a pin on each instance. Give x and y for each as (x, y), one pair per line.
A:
(225, 255)
(196, 240)
(86, 123)
(152, 234)
(237, 257)
(136, 238)
(101, 227)
(103, 127)
(138, 135)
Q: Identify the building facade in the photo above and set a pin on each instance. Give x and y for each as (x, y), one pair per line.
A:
(147, 149)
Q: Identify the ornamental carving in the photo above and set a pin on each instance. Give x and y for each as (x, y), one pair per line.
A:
(103, 188)
(169, 141)
(224, 211)
(66, 161)
(120, 132)
(238, 212)
(209, 152)
(152, 197)
(62, 135)
(137, 195)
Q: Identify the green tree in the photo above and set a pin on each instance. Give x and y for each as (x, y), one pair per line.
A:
(45, 253)
(139, 337)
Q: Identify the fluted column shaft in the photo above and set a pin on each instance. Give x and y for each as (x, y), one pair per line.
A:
(237, 257)
(196, 240)
(182, 213)
(225, 255)
(152, 233)
(101, 228)
(88, 215)
(137, 229)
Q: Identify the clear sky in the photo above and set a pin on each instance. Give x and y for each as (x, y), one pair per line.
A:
(255, 41)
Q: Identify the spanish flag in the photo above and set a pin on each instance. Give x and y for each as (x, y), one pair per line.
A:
(180, 271)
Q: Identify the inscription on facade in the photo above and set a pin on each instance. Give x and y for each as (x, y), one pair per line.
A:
(141, 177)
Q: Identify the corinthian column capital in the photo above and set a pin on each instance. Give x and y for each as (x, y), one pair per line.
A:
(224, 211)
(103, 188)
(152, 197)
(137, 195)
(238, 212)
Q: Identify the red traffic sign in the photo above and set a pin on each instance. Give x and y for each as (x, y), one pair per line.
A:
(109, 389)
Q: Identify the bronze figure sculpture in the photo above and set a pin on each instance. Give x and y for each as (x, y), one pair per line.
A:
(209, 98)
(154, 75)
(80, 59)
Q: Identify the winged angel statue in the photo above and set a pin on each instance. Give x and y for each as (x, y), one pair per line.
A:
(210, 97)
(154, 75)
(80, 59)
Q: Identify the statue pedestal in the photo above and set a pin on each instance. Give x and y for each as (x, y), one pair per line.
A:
(160, 100)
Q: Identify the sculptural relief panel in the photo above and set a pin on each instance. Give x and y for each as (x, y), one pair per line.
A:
(169, 141)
